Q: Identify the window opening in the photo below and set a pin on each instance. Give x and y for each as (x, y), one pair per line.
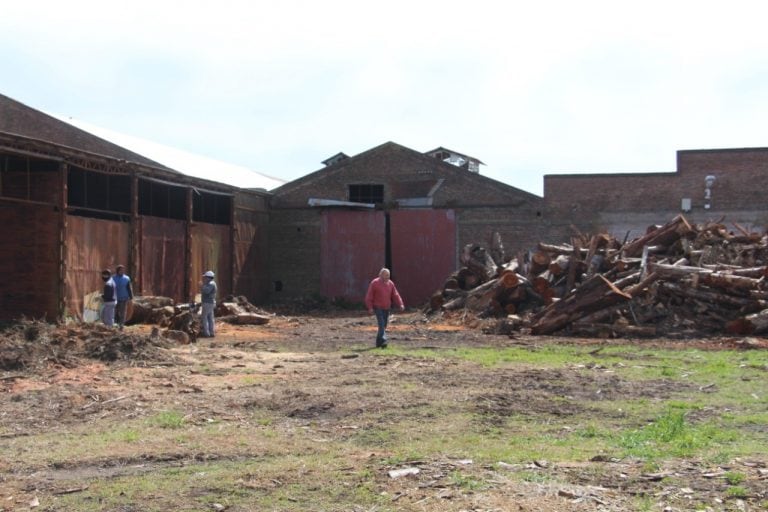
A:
(99, 195)
(211, 208)
(161, 200)
(366, 193)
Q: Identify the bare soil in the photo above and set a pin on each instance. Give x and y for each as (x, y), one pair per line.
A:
(53, 378)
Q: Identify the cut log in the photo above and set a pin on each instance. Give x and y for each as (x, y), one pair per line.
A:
(639, 288)
(663, 236)
(730, 281)
(540, 261)
(594, 294)
(706, 295)
(497, 249)
(756, 323)
(676, 272)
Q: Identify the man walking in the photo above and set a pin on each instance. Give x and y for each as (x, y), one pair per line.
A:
(208, 298)
(382, 293)
(124, 294)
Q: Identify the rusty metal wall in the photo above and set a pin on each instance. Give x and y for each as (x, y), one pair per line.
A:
(352, 251)
(161, 270)
(424, 252)
(211, 250)
(92, 245)
(251, 256)
(29, 261)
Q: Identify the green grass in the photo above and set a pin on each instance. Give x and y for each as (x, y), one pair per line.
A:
(168, 419)
(714, 412)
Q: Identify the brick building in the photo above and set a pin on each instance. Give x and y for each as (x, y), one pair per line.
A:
(332, 230)
(709, 185)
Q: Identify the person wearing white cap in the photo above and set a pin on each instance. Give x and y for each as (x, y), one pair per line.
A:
(208, 299)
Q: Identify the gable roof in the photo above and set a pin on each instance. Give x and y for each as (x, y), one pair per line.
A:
(187, 163)
(429, 162)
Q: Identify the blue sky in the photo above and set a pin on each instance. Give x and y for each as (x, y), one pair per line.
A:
(530, 88)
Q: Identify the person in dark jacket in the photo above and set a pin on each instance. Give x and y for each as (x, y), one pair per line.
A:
(109, 297)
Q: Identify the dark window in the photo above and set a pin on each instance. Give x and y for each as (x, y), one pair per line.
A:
(366, 193)
(161, 200)
(211, 208)
(29, 178)
(88, 190)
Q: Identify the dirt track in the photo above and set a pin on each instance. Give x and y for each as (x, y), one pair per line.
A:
(323, 374)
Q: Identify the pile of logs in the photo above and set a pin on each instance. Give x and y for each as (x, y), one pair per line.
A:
(163, 312)
(677, 279)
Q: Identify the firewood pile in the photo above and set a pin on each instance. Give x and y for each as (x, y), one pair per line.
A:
(676, 279)
(164, 312)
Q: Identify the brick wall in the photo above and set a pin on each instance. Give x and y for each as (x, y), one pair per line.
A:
(626, 204)
(29, 264)
(294, 256)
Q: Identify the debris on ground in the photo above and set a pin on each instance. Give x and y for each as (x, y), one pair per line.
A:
(237, 310)
(32, 343)
(677, 279)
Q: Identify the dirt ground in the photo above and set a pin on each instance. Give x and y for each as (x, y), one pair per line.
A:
(79, 375)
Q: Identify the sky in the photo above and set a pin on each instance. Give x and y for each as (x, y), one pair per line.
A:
(529, 88)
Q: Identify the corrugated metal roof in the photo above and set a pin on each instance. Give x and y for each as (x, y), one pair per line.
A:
(182, 161)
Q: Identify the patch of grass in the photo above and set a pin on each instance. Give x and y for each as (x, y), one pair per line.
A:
(466, 482)
(374, 437)
(537, 477)
(736, 491)
(734, 477)
(167, 419)
(671, 434)
(249, 380)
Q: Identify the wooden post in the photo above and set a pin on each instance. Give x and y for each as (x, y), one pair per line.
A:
(232, 240)
(64, 176)
(189, 293)
(134, 263)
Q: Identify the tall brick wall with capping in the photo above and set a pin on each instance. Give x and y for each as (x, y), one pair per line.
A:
(625, 204)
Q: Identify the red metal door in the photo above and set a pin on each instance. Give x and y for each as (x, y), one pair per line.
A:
(423, 252)
(352, 251)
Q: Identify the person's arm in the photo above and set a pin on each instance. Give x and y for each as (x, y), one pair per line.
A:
(130, 290)
(369, 298)
(396, 298)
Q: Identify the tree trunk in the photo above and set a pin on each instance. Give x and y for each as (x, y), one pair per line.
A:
(664, 236)
(594, 294)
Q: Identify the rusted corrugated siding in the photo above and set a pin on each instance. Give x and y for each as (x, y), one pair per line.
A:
(92, 245)
(251, 257)
(211, 250)
(352, 251)
(29, 261)
(161, 269)
(423, 251)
